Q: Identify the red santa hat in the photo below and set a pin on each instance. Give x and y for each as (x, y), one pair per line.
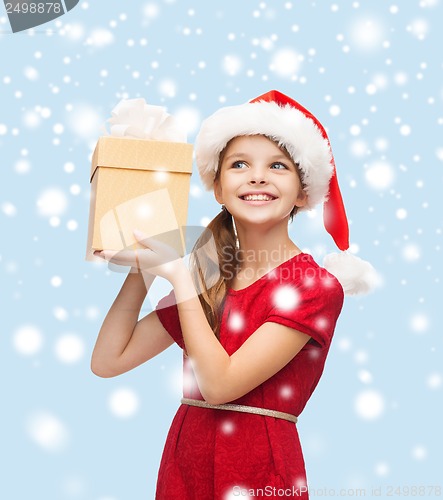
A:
(292, 126)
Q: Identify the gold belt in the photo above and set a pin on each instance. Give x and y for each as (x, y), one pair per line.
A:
(241, 408)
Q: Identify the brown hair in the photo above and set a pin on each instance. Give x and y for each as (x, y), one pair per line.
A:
(215, 259)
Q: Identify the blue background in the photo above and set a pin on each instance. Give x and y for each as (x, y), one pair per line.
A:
(371, 71)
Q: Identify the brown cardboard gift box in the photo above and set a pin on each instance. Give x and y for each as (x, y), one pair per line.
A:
(138, 184)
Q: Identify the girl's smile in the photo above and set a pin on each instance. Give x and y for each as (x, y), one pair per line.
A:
(258, 198)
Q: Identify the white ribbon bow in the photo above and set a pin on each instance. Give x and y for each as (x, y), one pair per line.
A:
(139, 120)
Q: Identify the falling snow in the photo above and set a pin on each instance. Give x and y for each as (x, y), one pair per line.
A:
(100, 38)
(232, 64)
(369, 405)
(69, 348)
(365, 376)
(285, 62)
(434, 381)
(419, 452)
(367, 34)
(372, 74)
(380, 175)
(236, 321)
(411, 252)
(85, 122)
(286, 298)
(381, 469)
(9, 209)
(52, 202)
(48, 431)
(124, 403)
(227, 427)
(419, 323)
(27, 340)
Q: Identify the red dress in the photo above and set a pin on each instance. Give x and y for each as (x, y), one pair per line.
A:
(219, 455)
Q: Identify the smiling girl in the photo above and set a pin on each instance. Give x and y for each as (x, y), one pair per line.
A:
(254, 314)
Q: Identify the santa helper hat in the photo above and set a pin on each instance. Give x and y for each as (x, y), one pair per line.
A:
(292, 126)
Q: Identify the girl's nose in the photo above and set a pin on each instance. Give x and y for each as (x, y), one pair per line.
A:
(258, 177)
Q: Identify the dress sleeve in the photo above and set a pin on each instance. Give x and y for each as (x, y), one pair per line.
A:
(311, 307)
(167, 313)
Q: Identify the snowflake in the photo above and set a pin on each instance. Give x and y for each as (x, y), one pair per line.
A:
(48, 431)
(60, 313)
(434, 381)
(286, 391)
(285, 62)
(419, 323)
(227, 427)
(28, 340)
(9, 209)
(124, 403)
(236, 321)
(411, 252)
(419, 28)
(419, 452)
(100, 38)
(232, 64)
(69, 348)
(369, 405)
(367, 34)
(321, 323)
(52, 202)
(380, 175)
(286, 298)
(365, 376)
(308, 281)
(382, 469)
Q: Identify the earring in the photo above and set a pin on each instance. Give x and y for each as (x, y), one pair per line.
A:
(237, 242)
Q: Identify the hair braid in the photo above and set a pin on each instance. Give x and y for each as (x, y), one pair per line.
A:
(214, 264)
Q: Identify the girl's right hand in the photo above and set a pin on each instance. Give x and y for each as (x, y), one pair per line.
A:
(157, 258)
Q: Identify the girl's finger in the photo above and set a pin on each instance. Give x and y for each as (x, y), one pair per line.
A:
(107, 254)
(147, 242)
(140, 236)
(155, 245)
(123, 258)
(151, 243)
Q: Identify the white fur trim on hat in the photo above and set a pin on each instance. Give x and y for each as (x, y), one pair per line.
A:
(286, 125)
(356, 276)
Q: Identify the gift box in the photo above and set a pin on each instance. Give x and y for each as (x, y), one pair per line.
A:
(139, 183)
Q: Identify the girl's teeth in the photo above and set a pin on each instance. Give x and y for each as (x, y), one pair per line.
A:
(259, 197)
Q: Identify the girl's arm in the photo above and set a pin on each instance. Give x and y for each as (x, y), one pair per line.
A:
(124, 342)
(222, 378)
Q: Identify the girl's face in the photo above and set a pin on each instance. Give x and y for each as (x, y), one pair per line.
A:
(258, 181)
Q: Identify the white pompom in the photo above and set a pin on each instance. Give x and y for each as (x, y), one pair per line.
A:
(356, 276)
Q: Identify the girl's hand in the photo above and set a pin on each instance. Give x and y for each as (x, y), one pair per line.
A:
(156, 258)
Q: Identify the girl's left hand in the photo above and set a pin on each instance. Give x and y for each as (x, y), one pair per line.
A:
(156, 258)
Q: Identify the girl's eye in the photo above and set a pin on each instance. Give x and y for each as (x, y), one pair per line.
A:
(239, 164)
(279, 166)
